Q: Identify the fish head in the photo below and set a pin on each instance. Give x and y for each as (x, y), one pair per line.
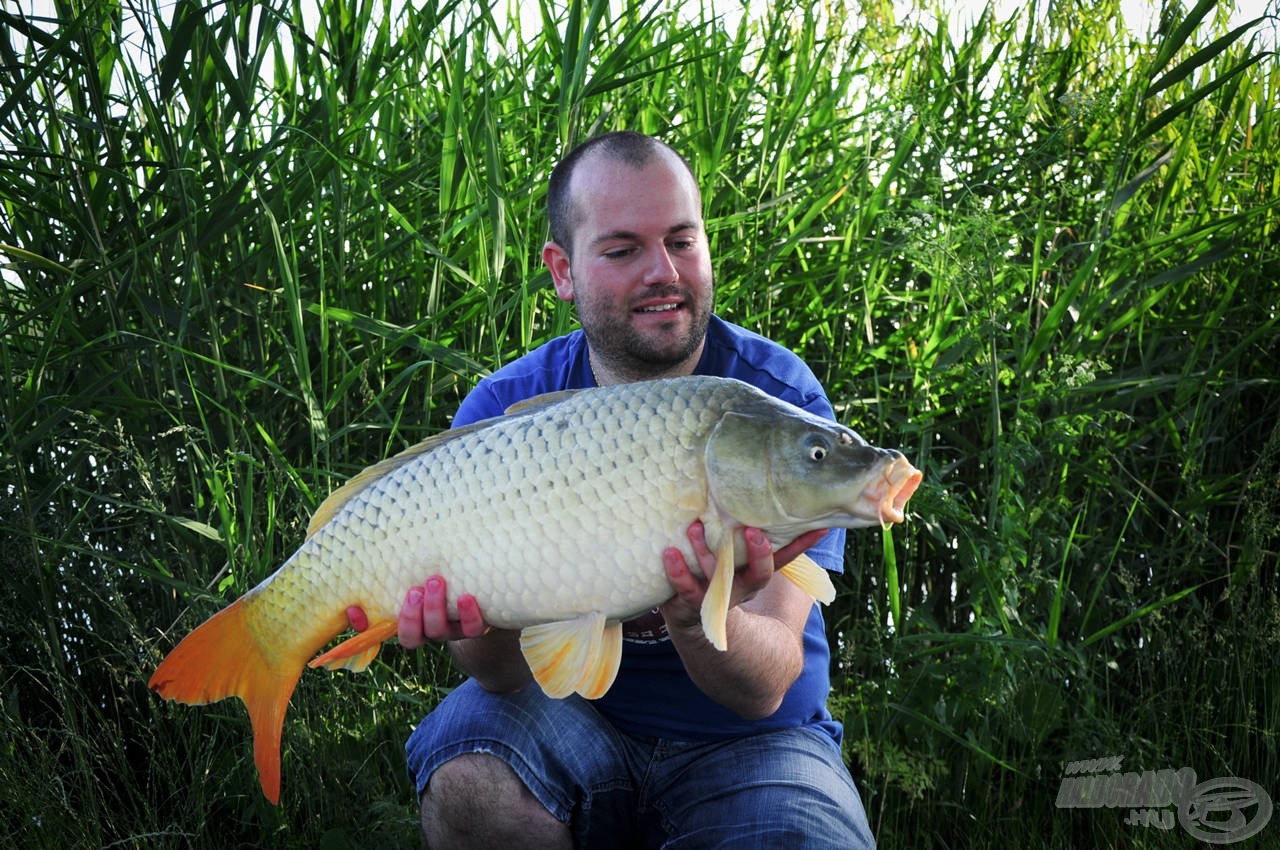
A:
(779, 468)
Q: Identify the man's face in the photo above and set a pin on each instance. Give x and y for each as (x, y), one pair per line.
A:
(640, 273)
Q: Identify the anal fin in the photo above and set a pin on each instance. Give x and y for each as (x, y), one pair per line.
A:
(357, 653)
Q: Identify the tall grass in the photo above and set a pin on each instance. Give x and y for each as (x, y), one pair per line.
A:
(252, 253)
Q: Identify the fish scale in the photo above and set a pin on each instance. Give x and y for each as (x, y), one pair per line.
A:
(512, 512)
(523, 505)
(554, 517)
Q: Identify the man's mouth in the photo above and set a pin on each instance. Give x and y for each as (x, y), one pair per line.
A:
(659, 308)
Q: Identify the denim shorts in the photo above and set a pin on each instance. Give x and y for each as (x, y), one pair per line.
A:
(786, 788)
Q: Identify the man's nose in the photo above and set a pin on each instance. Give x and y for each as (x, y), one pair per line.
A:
(662, 269)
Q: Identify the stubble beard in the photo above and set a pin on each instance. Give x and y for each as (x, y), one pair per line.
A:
(638, 355)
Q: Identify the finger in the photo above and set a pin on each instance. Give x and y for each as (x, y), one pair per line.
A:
(470, 620)
(758, 546)
(435, 611)
(357, 619)
(409, 622)
(697, 534)
(760, 561)
(788, 553)
(682, 579)
(682, 610)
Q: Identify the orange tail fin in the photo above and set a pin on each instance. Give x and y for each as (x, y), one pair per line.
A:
(222, 658)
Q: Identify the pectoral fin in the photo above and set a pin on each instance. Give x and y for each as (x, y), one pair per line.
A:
(715, 605)
(574, 656)
(811, 578)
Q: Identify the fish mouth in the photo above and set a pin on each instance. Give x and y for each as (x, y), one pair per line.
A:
(898, 481)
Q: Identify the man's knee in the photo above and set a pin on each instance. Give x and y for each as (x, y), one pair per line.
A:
(471, 776)
(477, 800)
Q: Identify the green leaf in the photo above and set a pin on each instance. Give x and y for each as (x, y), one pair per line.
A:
(1200, 58)
(891, 579)
(1189, 102)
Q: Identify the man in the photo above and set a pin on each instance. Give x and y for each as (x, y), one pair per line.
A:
(691, 747)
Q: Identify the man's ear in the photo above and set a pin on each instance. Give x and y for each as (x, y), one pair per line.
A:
(556, 260)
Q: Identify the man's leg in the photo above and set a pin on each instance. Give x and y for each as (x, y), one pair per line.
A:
(475, 801)
(483, 763)
(787, 789)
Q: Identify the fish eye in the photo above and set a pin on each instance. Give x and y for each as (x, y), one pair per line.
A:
(817, 448)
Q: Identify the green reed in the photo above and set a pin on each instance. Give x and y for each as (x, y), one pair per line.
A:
(247, 252)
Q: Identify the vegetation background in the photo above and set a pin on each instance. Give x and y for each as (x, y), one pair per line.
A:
(245, 254)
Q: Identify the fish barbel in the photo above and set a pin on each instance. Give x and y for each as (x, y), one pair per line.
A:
(554, 516)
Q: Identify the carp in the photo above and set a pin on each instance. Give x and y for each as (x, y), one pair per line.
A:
(554, 516)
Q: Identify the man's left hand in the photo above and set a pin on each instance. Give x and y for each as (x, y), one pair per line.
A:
(684, 609)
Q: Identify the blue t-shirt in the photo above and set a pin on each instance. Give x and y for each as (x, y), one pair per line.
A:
(653, 695)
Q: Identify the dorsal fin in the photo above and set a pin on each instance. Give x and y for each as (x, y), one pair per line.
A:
(538, 402)
(358, 482)
(331, 505)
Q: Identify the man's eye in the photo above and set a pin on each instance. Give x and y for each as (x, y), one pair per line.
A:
(617, 254)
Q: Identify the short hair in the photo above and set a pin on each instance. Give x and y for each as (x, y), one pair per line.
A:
(628, 146)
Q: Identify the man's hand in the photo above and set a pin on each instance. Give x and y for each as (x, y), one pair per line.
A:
(424, 616)
(494, 661)
(765, 624)
(684, 610)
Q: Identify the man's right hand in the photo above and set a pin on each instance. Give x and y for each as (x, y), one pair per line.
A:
(424, 617)
(496, 662)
